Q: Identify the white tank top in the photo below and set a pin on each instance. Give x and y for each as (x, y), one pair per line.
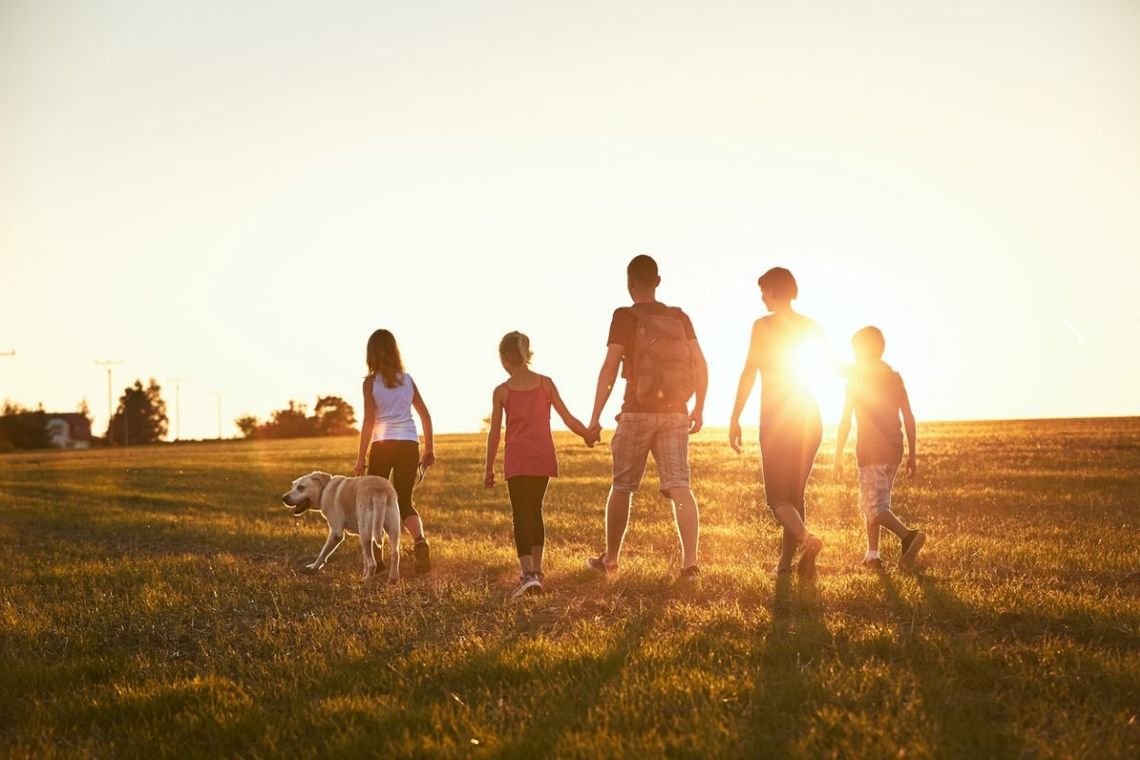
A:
(393, 410)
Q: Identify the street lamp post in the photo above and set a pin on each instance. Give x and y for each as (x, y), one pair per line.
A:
(108, 363)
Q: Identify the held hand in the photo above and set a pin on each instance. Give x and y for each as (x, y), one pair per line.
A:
(696, 421)
(358, 470)
(734, 436)
(595, 429)
(489, 479)
(428, 459)
(592, 437)
(911, 467)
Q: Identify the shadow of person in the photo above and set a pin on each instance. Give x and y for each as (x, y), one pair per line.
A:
(784, 693)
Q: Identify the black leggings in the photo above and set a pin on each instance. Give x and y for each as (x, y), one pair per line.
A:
(787, 452)
(397, 461)
(527, 492)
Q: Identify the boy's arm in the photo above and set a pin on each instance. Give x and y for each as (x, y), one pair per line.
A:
(607, 376)
(365, 428)
(428, 457)
(841, 437)
(571, 421)
(911, 433)
(493, 436)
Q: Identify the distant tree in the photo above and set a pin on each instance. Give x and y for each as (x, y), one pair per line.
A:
(141, 416)
(331, 416)
(248, 425)
(22, 428)
(334, 416)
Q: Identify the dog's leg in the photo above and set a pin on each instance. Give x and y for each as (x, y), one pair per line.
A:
(366, 548)
(392, 528)
(331, 543)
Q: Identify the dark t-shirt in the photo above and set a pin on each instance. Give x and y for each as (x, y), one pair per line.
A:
(876, 396)
(623, 332)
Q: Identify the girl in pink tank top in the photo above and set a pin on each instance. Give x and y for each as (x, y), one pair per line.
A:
(529, 460)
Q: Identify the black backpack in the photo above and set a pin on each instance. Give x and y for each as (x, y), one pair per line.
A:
(663, 370)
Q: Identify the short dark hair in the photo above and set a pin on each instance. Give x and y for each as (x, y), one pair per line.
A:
(868, 341)
(779, 283)
(642, 269)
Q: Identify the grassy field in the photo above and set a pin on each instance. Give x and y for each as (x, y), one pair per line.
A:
(153, 604)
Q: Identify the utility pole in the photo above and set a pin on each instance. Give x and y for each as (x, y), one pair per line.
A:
(218, 395)
(108, 363)
(177, 406)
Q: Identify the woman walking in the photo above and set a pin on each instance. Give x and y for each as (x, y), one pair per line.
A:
(782, 347)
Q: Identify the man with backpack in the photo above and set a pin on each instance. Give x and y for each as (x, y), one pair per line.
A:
(663, 366)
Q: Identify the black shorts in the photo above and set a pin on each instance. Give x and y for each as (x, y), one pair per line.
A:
(787, 452)
(397, 461)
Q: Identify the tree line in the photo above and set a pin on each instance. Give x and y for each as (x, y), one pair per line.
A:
(141, 418)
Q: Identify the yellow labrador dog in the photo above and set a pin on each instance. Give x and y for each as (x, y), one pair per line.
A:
(365, 506)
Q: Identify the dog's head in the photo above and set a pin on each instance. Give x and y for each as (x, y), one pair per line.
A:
(306, 493)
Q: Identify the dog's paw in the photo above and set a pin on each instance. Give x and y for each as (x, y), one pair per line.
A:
(310, 569)
(393, 580)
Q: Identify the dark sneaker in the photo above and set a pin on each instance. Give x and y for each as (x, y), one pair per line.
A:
(691, 572)
(875, 565)
(529, 585)
(812, 548)
(423, 556)
(599, 563)
(911, 546)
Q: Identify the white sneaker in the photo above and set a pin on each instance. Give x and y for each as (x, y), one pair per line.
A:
(530, 586)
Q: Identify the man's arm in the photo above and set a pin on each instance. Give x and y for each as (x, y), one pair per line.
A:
(607, 376)
(911, 434)
(696, 419)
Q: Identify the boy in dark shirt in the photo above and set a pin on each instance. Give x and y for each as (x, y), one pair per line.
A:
(876, 394)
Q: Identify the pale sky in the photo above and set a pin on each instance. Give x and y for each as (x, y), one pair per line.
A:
(238, 193)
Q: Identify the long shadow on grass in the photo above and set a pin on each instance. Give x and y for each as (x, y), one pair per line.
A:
(959, 678)
(780, 709)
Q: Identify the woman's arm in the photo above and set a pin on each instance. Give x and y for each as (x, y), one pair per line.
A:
(841, 436)
(571, 421)
(428, 457)
(744, 388)
(493, 436)
(366, 425)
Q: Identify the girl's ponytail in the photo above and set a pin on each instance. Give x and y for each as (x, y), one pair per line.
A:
(514, 349)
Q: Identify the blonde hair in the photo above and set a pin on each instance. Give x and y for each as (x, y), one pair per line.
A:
(514, 349)
(383, 357)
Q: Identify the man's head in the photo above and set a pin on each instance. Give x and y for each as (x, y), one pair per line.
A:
(641, 276)
(868, 344)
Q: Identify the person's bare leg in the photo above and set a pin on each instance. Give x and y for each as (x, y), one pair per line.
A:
(789, 517)
(788, 546)
(415, 526)
(526, 563)
(617, 519)
(688, 519)
(536, 558)
(888, 520)
(872, 535)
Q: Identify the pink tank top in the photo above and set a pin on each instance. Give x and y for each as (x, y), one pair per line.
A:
(530, 446)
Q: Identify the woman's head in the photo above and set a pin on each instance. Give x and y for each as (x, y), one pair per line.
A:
(514, 350)
(777, 285)
(383, 357)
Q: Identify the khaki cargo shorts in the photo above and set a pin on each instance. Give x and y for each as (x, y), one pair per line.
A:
(638, 434)
(875, 481)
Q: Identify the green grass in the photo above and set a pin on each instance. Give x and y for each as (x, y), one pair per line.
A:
(152, 604)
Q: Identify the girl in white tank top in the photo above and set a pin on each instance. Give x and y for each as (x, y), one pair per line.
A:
(389, 446)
